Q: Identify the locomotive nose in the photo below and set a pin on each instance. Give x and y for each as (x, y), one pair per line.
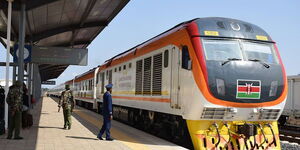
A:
(245, 81)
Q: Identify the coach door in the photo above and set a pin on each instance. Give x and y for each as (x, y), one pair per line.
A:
(175, 63)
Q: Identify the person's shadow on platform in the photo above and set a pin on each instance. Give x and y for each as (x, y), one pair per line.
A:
(78, 137)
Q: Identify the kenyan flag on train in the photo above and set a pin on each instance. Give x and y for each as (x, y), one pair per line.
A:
(248, 89)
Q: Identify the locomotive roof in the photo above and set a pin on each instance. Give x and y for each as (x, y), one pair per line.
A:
(233, 28)
(226, 27)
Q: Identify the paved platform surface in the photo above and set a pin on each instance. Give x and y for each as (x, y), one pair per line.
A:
(47, 133)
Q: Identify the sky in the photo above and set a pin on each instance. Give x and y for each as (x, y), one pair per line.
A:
(141, 20)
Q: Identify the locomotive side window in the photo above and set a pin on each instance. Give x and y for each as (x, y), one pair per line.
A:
(129, 65)
(186, 60)
(166, 58)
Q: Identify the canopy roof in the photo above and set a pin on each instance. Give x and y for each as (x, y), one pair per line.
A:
(67, 23)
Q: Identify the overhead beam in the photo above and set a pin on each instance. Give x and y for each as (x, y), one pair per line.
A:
(3, 35)
(30, 4)
(54, 31)
(67, 44)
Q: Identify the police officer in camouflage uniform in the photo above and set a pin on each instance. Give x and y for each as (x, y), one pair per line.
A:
(67, 103)
(15, 103)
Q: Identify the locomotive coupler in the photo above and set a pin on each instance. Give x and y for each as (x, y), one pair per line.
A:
(248, 130)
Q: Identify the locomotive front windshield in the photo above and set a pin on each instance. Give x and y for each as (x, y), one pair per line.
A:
(223, 50)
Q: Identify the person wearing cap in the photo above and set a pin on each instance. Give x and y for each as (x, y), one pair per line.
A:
(15, 103)
(107, 113)
(67, 103)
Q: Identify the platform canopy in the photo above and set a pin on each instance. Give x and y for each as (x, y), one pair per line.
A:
(67, 23)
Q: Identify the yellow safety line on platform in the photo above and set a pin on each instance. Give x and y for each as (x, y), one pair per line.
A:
(117, 134)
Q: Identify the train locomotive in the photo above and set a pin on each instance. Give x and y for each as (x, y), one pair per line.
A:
(207, 83)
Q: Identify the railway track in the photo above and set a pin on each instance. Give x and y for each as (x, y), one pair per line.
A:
(290, 134)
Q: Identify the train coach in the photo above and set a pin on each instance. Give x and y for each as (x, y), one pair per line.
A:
(291, 112)
(208, 83)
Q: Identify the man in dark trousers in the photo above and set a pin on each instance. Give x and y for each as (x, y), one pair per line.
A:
(107, 113)
(15, 103)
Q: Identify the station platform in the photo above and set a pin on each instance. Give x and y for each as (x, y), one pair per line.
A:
(47, 133)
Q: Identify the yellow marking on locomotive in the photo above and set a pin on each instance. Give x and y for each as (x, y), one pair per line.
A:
(133, 92)
(261, 37)
(211, 33)
(204, 135)
(127, 140)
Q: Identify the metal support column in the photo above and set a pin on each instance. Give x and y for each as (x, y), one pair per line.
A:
(22, 20)
(29, 83)
(7, 59)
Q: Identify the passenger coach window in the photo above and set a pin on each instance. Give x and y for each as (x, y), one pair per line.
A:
(166, 58)
(129, 65)
(120, 68)
(186, 60)
(124, 67)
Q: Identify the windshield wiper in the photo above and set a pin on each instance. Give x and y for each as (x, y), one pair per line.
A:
(229, 60)
(261, 62)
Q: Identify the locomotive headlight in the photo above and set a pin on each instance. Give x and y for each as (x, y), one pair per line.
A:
(220, 86)
(273, 88)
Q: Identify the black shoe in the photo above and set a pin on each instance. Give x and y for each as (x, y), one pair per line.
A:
(9, 137)
(69, 128)
(109, 139)
(18, 138)
(100, 138)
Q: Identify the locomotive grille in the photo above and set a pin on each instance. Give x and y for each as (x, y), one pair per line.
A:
(147, 76)
(214, 113)
(139, 77)
(268, 114)
(157, 74)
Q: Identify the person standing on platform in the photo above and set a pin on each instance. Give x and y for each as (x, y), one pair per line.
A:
(67, 103)
(107, 114)
(14, 101)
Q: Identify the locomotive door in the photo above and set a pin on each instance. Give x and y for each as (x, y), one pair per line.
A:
(175, 64)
